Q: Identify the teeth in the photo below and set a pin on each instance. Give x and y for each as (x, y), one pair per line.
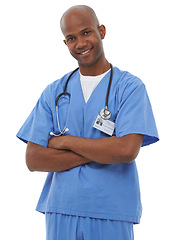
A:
(85, 52)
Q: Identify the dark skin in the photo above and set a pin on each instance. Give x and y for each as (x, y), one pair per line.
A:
(83, 37)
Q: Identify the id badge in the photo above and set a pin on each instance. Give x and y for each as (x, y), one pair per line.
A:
(103, 125)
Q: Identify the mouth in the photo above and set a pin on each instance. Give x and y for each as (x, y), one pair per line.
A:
(86, 52)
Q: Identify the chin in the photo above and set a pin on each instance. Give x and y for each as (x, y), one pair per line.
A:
(87, 63)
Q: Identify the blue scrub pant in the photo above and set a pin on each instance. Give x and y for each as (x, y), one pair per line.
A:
(66, 227)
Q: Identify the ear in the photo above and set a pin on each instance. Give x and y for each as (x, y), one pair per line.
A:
(102, 31)
(65, 42)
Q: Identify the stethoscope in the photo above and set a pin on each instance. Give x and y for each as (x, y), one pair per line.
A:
(105, 113)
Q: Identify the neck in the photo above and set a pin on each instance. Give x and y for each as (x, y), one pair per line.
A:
(95, 69)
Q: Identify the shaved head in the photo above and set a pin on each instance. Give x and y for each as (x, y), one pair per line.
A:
(74, 11)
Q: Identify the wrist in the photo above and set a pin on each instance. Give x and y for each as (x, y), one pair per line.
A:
(66, 142)
(71, 143)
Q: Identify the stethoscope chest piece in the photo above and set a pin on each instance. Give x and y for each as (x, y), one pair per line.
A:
(105, 113)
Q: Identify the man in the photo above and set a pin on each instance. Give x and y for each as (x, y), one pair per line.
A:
(92, 189)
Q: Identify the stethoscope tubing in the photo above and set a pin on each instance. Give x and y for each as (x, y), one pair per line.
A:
(66, 93)
(109, 86)
(104, 114)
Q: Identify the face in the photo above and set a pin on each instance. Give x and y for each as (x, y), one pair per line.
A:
(83, 37)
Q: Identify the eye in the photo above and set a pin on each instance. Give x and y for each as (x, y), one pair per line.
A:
(70, 39)
(87, 33)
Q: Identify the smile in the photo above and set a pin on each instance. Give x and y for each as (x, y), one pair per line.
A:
(85, 52)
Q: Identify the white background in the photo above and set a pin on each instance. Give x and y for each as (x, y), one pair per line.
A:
(141, 39)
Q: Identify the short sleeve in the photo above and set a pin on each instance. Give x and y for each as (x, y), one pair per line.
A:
(38, 125)
(135, 115)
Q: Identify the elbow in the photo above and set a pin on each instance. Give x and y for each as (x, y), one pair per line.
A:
(29, 163)
(34, 157)
(30, 168)
(30, 159)
(129, 147)
(129, 156)
(126, 156)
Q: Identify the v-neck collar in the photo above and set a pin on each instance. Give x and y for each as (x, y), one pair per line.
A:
(99, 86)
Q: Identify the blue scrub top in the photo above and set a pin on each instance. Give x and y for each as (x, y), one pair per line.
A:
(105, 191)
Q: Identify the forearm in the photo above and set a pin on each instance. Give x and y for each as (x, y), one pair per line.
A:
(105, 150)
(43, 159)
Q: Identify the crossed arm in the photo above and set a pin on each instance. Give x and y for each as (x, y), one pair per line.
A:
(67, 152)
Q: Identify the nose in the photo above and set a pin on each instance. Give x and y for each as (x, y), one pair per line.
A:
(81, 43)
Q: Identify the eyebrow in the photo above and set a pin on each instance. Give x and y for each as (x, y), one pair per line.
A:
(68, 36)
(83, 30)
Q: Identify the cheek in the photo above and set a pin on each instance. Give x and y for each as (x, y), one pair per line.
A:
(70, 46)
(98, 46)
(72, 52)
(97, 41)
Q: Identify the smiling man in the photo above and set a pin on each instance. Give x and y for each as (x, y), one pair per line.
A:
(86, 131)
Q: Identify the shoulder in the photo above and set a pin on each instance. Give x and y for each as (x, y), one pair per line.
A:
(124, 78)
(59, 83)
(127, 84)
(56, 86)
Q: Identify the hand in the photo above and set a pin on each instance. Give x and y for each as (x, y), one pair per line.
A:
(59, 142)
(52, 142)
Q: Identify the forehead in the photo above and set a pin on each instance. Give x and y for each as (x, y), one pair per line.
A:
(76, 20)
